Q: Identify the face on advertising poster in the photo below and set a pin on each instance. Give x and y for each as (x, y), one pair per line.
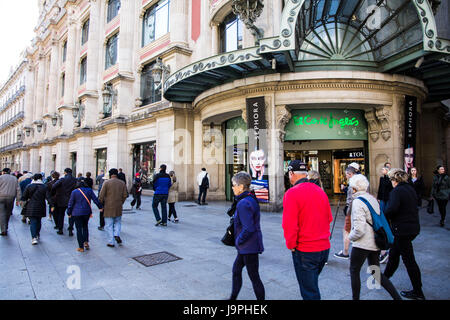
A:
(257, 167)
(409, 159)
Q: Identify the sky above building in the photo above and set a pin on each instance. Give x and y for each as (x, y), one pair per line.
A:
(18, 18)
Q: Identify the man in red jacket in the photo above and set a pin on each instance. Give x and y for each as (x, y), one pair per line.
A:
(306, 224)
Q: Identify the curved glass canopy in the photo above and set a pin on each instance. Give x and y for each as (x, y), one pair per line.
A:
(361, 30)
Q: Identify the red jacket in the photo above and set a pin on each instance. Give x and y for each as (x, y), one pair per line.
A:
(306, 218)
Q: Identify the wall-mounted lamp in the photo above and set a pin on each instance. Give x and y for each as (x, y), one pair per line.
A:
(109, 99)
(160, 72)
(54, 118)
(78, 113)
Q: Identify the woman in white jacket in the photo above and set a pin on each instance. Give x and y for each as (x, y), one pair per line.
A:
(362, 237)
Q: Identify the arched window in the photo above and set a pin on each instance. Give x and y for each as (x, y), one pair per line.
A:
(111, 51)
(156, 22)
(113, 9)
(231, 33)
(149, 93)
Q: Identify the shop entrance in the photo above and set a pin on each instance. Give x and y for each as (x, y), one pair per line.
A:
(329, 158)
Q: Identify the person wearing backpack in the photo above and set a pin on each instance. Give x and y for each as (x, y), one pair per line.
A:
(203, 184)
(362, 236)
(402, 211)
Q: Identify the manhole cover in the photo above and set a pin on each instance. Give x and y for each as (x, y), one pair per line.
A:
(156, 258)
(190, 205)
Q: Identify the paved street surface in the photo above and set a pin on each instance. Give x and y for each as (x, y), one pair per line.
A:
(204, 272)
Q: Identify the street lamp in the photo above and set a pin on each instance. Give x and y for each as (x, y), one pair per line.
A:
(54, 119)
(248, 11)
(109, 95)
(39, 125)
(159, 72)
(27, 131)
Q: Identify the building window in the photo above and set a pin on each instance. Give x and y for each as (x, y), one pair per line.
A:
(144, 162)
(113, 9)
(101, 161)
(83, 67)
(63, 83)
(156, 22)
(111, 51)
(149, 93)
(231, 34)
(85, 32)
(64, 53)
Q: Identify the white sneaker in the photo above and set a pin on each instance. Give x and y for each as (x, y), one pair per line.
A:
(34, 241)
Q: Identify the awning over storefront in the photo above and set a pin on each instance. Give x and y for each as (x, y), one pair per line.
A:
(371, 35)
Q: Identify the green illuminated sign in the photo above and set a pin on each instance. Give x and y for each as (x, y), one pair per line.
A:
(326, 124)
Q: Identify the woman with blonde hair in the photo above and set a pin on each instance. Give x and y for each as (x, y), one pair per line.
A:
(402, 211)
(173, 196)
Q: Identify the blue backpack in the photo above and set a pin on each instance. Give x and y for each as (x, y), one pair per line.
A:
(383, 234)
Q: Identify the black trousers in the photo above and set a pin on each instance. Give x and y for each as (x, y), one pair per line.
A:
(442, 205)
(102, 219)
(202, 194)
(357, 259)
(136, 200)
(172, 210)
(58, 216)
(81, 223)
(403, 247)
(250, 261)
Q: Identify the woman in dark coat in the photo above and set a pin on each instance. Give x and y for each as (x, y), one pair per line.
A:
(35, 194)
(80, 208)
(248, 236)
(417, 182)
(403, 213)
(440, 191)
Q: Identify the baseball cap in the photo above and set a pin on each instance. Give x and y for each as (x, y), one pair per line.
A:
(354, 165)
(297, 165)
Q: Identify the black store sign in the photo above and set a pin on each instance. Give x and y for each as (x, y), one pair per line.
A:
(353, 154)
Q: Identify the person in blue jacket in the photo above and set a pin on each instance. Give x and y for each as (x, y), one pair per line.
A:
(161, 185)
(248, 236)
(80, 209)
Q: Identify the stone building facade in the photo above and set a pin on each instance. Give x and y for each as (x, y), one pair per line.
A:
(134, 84)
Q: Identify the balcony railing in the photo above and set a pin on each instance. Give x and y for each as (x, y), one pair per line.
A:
(13, 98)
(17, 117)
(11, 147)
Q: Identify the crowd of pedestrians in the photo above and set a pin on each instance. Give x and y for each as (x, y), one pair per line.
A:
(305, 222)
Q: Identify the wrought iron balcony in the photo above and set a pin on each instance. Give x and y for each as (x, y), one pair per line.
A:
(17, 117)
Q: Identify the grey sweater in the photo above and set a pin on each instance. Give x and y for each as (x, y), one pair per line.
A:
(9, 187)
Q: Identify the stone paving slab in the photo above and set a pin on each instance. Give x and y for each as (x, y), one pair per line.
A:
(41, 272)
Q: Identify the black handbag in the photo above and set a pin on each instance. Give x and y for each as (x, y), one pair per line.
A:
(430, 206)
(228, 238)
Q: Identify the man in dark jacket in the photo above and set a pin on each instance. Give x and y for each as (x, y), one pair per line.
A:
(62, 190)
(161, 185)
(384, 188)
(121, 176)
(402, 211)
(51, 197)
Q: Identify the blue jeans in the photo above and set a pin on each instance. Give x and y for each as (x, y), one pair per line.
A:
(35, 226)
(157, 198)
(113, 226)
(308, 266)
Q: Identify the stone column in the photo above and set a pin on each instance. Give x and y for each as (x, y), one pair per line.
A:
(29, 95)
(71, 61)
(179, 22)
(24, 160)
(94, 48)
(198, 152)
(118, 150)
(62, 156)
(53, 87)
(85, 156)
(279, 117)
(40, 89)
(34, 160)
(126, 38)
(46, 159)
(215, 38)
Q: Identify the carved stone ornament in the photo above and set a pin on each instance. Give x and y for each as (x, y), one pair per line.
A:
(383, 117)
(283, 115)
(374, 128)
(244, 114)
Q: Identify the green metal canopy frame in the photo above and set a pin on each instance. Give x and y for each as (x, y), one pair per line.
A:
(330, 35)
